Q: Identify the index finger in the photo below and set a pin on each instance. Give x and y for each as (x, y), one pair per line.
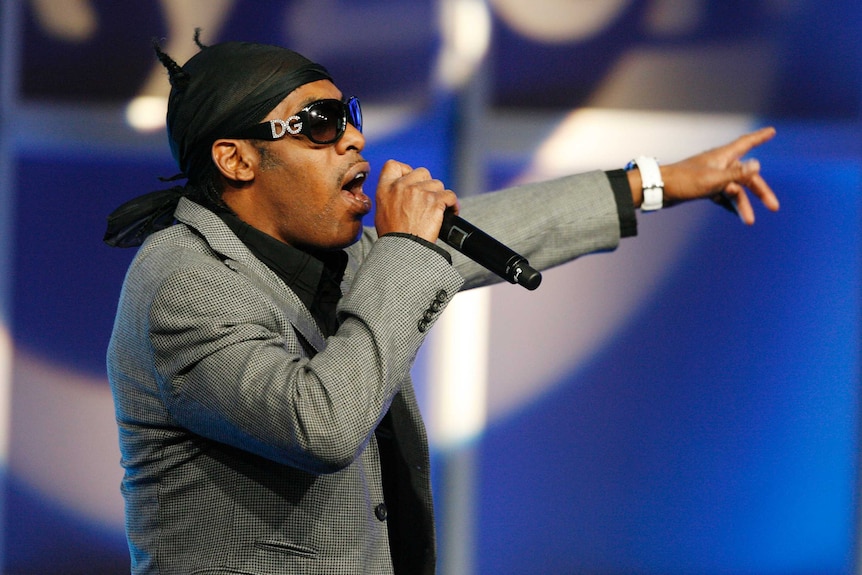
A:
(743, 144)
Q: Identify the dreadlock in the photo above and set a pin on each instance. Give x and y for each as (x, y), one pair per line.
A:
(208, 187)
(178, 77)
(198, 39)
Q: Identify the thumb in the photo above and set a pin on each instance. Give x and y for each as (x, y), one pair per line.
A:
(747, 169)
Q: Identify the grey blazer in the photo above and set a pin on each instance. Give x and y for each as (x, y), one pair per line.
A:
(245, 454)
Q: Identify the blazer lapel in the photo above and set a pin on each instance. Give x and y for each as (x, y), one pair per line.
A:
(238, 258)
(295, 312)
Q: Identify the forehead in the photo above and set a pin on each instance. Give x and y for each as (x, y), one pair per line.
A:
(303, 96)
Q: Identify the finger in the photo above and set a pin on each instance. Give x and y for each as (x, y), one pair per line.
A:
(451, 201)
(740, 200)
(418, 175)
(747, 173)
(749, 141)
(718, 179)
(436, 195)
(764, 193)
(392, 170)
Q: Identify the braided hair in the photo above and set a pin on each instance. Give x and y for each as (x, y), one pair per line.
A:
(208, 187)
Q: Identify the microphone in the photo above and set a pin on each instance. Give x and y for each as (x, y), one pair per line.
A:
(488, 252)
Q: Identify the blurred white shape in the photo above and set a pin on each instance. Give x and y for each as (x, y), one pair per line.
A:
(559, 20)
(69, 20)
(147, 113)
(458, 371)
(675, 17)
(737, 76)
(5, 394)
(324, 30)
(182, 17)
(65, 438)
(465, 27)
(591, 138)
(379, 121)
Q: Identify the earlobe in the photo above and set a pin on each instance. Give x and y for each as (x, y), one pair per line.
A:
(231, 157)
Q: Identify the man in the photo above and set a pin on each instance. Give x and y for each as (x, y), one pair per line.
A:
(260, 360)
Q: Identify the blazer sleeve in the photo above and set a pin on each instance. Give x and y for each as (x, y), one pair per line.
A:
(549, 223)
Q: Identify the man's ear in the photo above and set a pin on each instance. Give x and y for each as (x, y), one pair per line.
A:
(235, 159)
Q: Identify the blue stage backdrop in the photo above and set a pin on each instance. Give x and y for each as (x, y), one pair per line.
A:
(711, 429)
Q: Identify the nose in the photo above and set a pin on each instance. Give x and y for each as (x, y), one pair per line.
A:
(351, 140)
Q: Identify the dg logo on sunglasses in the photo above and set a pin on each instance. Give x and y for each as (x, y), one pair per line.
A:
(292, 125)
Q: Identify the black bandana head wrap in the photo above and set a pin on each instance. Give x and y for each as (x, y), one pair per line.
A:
(227, 88)
(221, 90)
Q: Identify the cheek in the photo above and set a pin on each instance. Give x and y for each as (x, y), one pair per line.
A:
(317, 210)
(311, 199)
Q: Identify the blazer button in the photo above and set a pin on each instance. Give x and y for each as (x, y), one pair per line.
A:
(423, 325)
(380, 512)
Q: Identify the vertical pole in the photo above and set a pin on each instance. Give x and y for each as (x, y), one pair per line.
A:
(9, 46)
(458, 388)
(459, 373)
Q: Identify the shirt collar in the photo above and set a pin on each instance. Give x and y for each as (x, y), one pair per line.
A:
(301, 271)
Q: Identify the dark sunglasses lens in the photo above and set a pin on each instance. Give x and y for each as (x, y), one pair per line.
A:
(325, 119)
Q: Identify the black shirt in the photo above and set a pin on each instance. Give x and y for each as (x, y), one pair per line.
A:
(314, 277)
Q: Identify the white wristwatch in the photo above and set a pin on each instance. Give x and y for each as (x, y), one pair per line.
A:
(651, 182)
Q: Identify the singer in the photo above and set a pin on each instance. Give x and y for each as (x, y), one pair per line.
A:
(261, 354)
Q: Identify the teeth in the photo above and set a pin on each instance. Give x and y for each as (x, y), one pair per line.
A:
(355, 182)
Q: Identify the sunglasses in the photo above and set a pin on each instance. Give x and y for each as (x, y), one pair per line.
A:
(322, 122)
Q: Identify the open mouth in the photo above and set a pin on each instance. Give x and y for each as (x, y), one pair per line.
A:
(354, 184)
(353, 187)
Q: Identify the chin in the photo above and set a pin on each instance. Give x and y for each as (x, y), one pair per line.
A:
(347, 240)
(356, 235)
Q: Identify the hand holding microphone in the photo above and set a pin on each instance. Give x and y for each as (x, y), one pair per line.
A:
(410, 201)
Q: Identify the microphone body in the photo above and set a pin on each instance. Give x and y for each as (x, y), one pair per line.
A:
(488, 252)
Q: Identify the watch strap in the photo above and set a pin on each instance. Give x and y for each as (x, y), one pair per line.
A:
(651, 182)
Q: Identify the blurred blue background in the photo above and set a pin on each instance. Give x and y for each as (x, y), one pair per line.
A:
(701, 414)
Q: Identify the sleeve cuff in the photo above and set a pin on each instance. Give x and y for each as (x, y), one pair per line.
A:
(425, 243)
(625, 206)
